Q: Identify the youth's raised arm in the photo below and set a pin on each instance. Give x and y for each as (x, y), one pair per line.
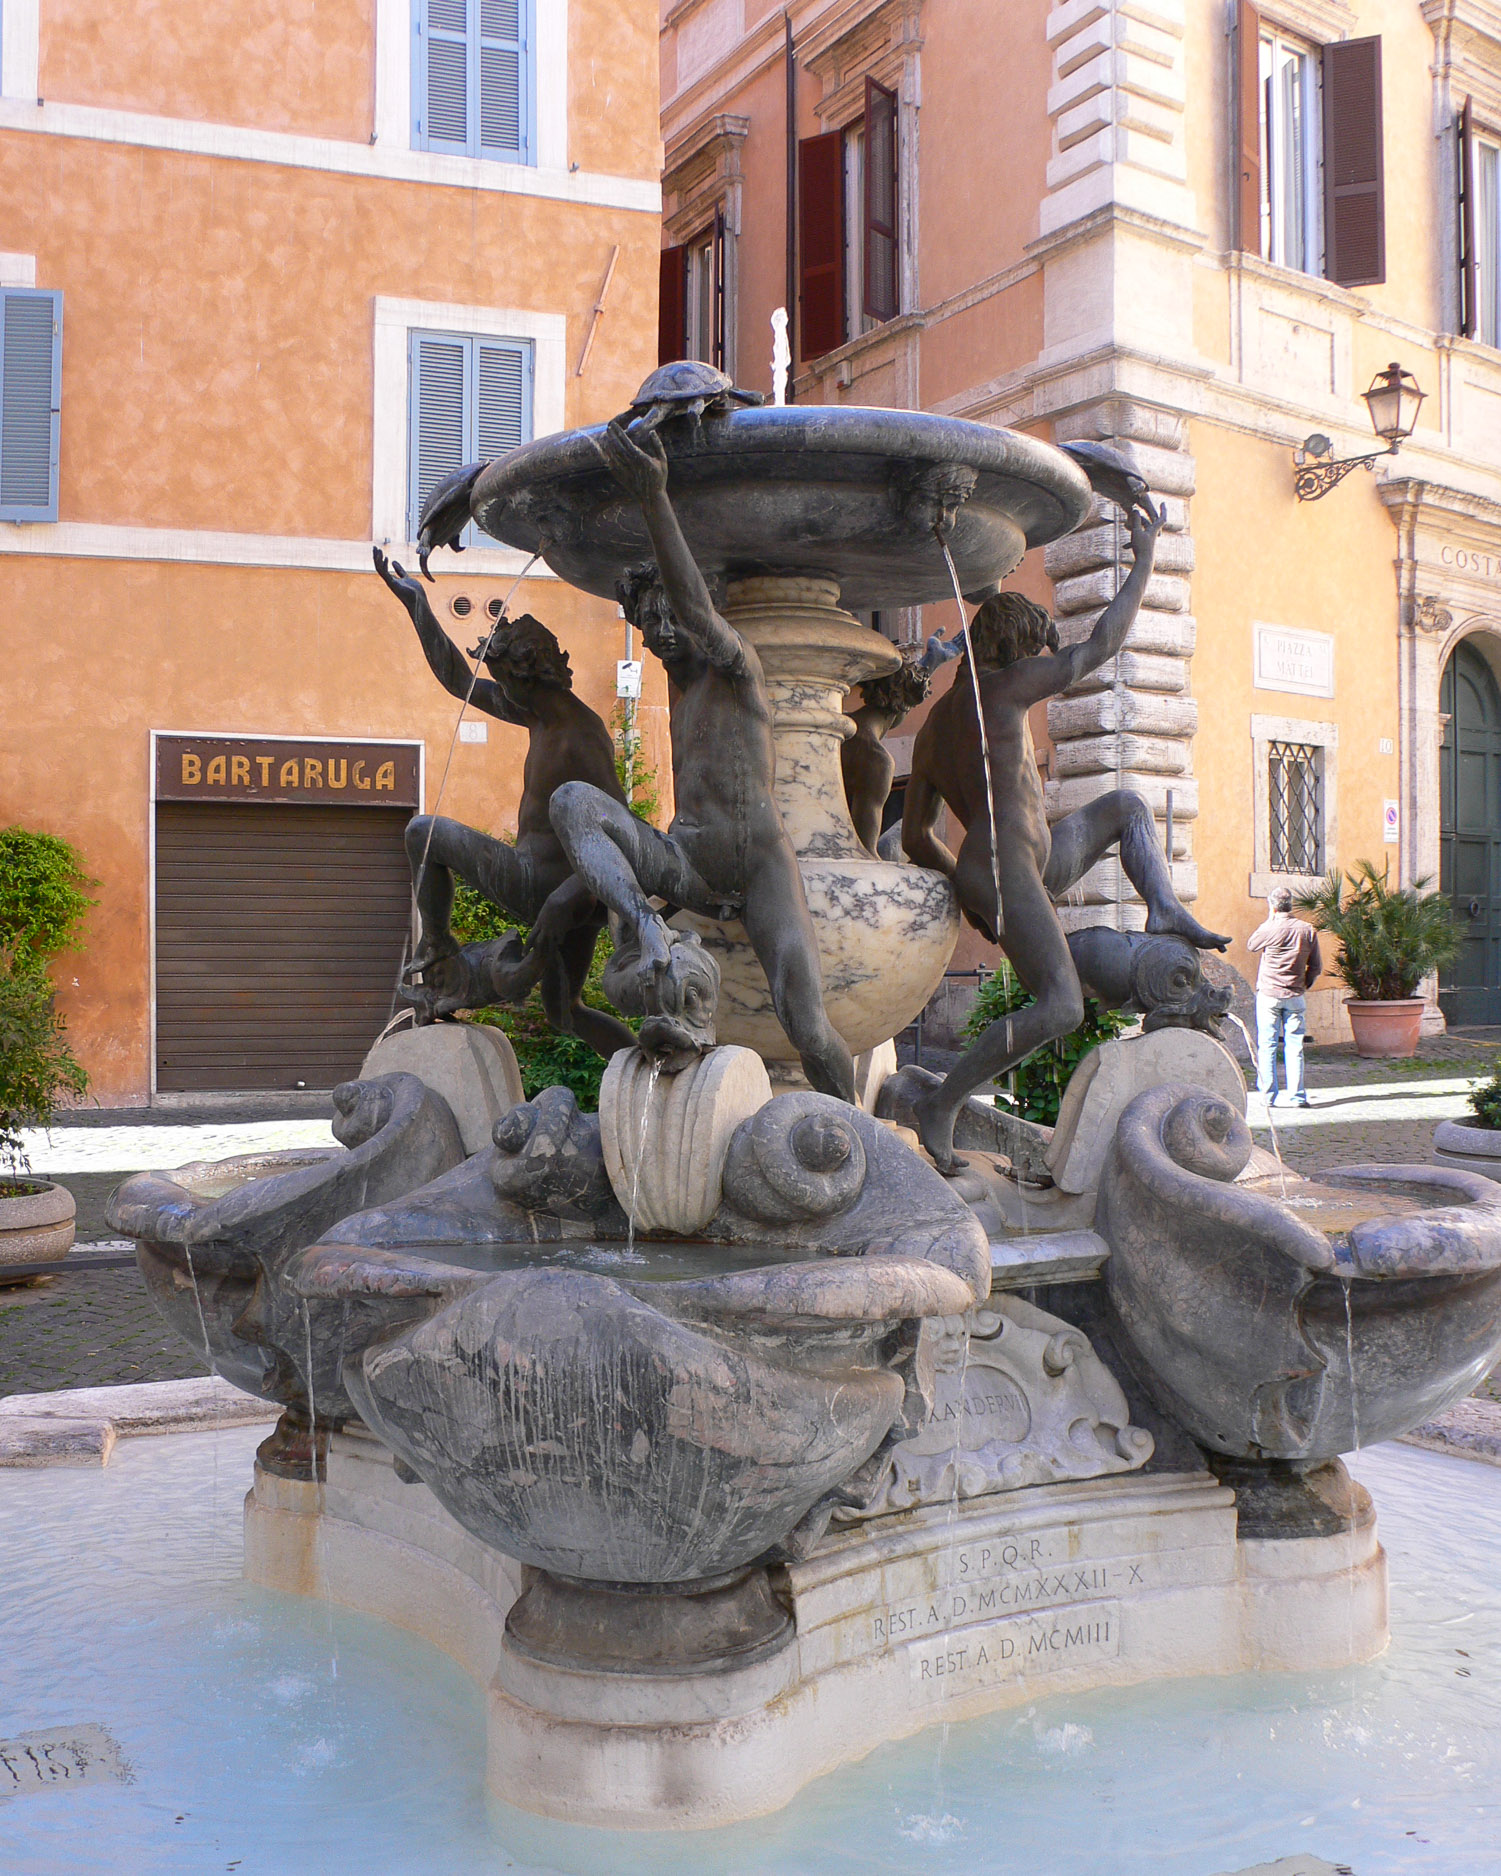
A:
(639, 464)
(1115, 621)
(444, 659)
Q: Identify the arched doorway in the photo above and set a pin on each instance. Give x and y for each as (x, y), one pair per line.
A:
(1470, 833)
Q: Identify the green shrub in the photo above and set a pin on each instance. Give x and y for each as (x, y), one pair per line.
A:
(1485, 1098)
(36, 1064)
(545, 1058)
(1036, 1085)
(43, 899)
(636, 775)
(43, 896)
(1390, 937)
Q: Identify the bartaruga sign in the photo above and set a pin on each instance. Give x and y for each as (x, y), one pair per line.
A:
(283, 769)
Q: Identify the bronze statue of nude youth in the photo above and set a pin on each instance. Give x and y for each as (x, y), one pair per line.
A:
(530, 685)
(726, 853)
(1020, 662)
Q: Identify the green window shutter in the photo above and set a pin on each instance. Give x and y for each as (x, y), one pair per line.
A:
(31, 354)
(439, 415)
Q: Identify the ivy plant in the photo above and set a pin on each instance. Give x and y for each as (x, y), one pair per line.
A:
(1035, 1086)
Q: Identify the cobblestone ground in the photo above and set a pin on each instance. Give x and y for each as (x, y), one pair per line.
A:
(96, 1327)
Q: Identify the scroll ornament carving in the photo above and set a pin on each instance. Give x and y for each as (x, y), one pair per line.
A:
(1430, 614)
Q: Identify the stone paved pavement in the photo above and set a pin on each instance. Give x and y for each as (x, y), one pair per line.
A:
(95, 1327)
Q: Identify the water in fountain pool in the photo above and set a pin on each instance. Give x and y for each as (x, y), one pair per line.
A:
(248, 1755)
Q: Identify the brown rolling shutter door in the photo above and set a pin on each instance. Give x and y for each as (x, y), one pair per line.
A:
(880, 298)
(672, 306)
(1248, 127)
(1465, 176)
(820, 232)
(280, 931)
(1354, 204)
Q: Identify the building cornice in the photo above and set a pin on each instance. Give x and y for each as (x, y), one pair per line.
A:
(709, 137)
(374, 162)
(1109, 216)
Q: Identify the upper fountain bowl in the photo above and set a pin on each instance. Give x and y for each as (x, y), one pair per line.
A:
(848, 493)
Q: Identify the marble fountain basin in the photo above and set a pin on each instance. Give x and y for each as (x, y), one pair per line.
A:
(212, 1236)
(1288, 1318)
(646, 1410)
(827, 491)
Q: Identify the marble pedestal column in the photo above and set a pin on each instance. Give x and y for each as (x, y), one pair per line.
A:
(885, 933)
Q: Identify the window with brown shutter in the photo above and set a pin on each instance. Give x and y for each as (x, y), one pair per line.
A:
(880, 298)
(1465, 205)
(1249, 107)
(820, 231)
(672, 306)
(1354, 205)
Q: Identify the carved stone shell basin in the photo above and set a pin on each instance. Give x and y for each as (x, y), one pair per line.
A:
(211, 1236)
(1268, 1337)
(651, 1412)
(835, 490)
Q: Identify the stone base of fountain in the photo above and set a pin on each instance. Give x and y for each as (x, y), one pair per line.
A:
(891, 1625)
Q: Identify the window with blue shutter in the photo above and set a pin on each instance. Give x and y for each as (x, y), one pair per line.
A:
(469, 400)
(473, 82)
(31, 358)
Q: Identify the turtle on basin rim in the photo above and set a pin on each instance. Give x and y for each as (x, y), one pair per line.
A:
(687, 388)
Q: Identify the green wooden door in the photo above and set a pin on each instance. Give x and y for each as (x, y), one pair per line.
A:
(1470, 834)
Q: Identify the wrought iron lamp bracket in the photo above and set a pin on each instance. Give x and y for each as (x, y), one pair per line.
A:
(1311, 480)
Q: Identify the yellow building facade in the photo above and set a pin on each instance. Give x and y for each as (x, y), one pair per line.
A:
(291, 274)
(1197, 233)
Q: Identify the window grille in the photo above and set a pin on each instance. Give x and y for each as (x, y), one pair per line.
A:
(1296, 795)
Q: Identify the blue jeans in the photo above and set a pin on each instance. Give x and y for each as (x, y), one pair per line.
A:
(1284, 1016)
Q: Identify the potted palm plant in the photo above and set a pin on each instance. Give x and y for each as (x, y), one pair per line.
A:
(42, 903)
(1390, 938)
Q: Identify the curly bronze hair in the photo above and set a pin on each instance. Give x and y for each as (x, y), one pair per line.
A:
(900, 690)
(1008, 627)
(523, 649)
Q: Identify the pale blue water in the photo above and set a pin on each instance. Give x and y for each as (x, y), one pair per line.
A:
(274, 1737)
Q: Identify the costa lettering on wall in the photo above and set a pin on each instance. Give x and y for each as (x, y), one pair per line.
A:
(287, 769)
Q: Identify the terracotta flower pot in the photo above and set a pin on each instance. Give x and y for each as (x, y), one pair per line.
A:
(35, 1228)
(1386, 1029)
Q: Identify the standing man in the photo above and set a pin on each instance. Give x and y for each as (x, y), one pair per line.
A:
(1290, 962)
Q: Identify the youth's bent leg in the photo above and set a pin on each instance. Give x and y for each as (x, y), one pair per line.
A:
(1039, 954)
(782, 936)
(437, 850)
(1123, 818)
(563, 1002)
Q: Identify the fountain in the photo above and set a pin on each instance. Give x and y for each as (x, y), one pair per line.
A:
(719, 1436)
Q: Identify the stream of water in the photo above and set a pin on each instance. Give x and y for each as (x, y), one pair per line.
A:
(246, 1756)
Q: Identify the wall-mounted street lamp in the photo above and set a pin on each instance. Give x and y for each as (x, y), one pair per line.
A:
(1393, 401)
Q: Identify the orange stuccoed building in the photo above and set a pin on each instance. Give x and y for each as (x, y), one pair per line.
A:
(265, 277)
(1199, 231)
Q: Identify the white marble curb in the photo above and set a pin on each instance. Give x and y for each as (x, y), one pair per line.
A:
(1472, 1430)
(78, 1426)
